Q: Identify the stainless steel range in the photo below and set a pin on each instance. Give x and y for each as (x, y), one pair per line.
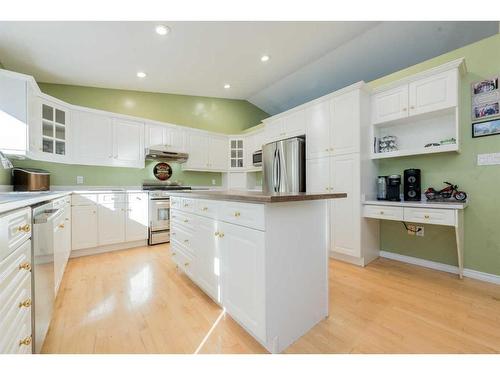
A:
(159, 211)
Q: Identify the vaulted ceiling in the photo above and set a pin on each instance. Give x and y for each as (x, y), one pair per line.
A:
(306, 59)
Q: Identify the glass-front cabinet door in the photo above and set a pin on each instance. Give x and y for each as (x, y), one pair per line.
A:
(236, 153)
(54, 135)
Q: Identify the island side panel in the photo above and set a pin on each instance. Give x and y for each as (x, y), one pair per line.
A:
(296, 270)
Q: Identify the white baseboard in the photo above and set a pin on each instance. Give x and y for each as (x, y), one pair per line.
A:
(347, 258)
(473, 274)
(107, 248)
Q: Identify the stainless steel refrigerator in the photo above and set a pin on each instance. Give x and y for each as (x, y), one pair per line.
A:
(284, 166)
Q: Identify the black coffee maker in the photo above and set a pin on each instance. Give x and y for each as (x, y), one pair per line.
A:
(394, 188)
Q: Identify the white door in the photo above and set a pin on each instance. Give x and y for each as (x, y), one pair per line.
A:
(155, 135)
(345, 112)
(345, 213)
(136, 219)
(390, 105)
(294, 124)
(174, 137)
(433, 93)
(93, 135)
(55, 128)
(218, 152)
(318, 129)
(83, 227)
(318, 175)
(207, 260)
(248, 149)
(128, 143)
(243, 275)
(197, 147)
(111, 219)
(273, 131)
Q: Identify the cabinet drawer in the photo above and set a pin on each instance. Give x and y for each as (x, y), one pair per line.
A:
(15, 228)
(187, 204)
(112, 198)
(83, 199)
(248, 215)
(175, 202)
(182, 258)
(429, 216)
(15, 324)
(182, 236)
(383, 212)
(13, 270)
(205, 207)
(179, 218)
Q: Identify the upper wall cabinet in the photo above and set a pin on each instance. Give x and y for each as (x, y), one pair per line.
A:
(217, 153)
(128, 143)
(420, 113)
(52, 139)
(207, 152)
(290, 125)
(171, 137)
(13, 115)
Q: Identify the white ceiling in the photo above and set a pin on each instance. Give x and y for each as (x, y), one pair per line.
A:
(195, 58)
(308, 59)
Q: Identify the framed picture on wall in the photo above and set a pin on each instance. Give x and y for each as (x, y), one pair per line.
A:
(485, 128)
(485, 99)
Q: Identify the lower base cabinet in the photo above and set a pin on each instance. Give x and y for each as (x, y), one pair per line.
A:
(207, 264)
(84, 229)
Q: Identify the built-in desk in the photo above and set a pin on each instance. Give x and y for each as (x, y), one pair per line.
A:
(437, 213)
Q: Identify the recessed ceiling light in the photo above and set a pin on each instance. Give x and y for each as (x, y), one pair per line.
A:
(162, 29)
(264, 58)
(141, 74)
(227, 86)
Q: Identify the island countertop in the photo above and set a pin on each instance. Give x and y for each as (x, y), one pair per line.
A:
(254, 196)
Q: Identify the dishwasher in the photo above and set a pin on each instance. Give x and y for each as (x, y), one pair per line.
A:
(45, 217)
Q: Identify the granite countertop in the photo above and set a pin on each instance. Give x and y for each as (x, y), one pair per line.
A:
(256, 196)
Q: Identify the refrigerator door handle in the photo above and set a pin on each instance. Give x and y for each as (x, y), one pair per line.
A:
(274, 170)
(279, 169)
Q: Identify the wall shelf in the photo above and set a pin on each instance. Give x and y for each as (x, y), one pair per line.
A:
(417, 151)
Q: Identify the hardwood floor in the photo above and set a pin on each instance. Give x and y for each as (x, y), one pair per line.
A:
(135, 301)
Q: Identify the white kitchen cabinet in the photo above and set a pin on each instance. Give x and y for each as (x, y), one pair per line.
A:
(433, 93)
(55, 137)
(207, 261)
(94, 134)
(59, 252)
(318, 175)
(217, 153)
(290, 125)
(345, 213)
(136, 218)
(111, 219)
(237, 152)
(345, 112)
(171, 137)
(390, 105)
(128, 143)
(243, 275)
(198, 148)
(318, 129)
(273, 131)
(84, 227)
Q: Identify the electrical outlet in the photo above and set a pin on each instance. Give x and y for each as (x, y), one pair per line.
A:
(213, 182)
(420, 230)
(79, 180)
(411, 229)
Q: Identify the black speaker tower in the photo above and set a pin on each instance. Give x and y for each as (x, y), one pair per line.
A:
(412, 191)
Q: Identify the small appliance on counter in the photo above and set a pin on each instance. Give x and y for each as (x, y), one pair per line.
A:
(381, 188)
(411, 186)
(393, 188)
(30, 179)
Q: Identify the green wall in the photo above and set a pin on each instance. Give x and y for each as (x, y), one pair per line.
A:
(482, 234)
(215, 114)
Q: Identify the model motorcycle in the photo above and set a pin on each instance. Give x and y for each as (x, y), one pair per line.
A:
(448, 192)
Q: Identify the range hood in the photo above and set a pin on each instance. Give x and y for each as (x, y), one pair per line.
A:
(162, 153)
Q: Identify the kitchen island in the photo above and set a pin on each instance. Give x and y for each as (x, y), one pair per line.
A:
(262, 257)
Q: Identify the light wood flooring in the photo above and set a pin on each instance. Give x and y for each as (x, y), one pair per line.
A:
(135, 301)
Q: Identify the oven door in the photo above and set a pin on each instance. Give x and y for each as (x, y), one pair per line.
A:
(159, 214)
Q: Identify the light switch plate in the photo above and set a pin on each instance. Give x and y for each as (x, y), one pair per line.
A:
(79, 180)
(488, 159)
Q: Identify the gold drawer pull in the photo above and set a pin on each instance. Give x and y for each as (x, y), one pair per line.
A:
(221, 234)
(186, 204)
(186, 264)
(186, 241)
(216, 234)
(173, 254)
(24, 228)
(381, 212)
(237, 214)
(25, 266)
(25, 303)
(61, 226)
(67, 219)
(186, 220)
(426, 216)
(26, 341)
(204, 209)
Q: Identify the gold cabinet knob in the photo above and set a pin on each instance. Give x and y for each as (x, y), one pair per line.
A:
(426, 216)
(186, 264)
(25, 266)
(327, 149)
(237, 214)
(186, 241)
(61, 226)
(216, 234)
(221, 234)
(186, 220)
(67, 219)
(24, 228)
(381, 212)
(186, 205)
(204, 209)
(412, 107)
(404, 109)
(26, 341)
(173, 254)
(25, 303)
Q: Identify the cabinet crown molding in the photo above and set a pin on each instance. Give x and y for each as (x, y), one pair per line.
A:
(458, 64)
